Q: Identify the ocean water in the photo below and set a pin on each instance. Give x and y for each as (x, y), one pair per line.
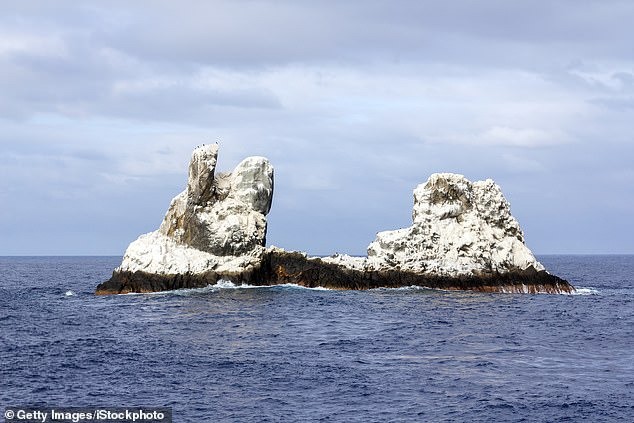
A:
(289, 354)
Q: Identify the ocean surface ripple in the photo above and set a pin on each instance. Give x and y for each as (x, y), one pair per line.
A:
(233, 354)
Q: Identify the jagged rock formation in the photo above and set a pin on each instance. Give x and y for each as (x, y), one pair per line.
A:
(459, 228)
(217, 224)
(463, 237)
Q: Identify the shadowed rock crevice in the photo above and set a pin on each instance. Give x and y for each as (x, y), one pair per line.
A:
(463, 237)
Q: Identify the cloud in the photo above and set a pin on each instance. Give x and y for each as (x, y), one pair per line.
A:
(355, 103)
(521, 137)
(484, 33)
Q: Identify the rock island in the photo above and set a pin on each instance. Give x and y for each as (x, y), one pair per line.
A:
(462, 237)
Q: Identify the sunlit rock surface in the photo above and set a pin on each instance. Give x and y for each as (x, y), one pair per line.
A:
(459, 228)
(217, 224)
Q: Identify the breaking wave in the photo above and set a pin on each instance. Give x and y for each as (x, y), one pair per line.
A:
(586, 291)
(223, 284)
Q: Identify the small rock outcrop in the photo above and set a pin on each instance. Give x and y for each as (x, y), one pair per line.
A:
(463, 237)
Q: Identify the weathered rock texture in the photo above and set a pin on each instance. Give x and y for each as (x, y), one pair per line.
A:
(463, 237)
(217, 224)
(459, 228)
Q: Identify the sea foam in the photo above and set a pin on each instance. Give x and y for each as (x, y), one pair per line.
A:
(585, 291)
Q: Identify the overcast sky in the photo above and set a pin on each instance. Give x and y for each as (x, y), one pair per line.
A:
(354, 102)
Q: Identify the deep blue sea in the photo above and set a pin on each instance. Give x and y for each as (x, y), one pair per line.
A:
(289, 354)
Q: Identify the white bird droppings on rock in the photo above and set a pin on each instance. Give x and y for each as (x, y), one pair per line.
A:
(459, 228)
(218, 223)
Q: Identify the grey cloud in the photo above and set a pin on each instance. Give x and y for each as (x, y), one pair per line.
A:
(91, 155)
(615, 103)
(127, 42)
(236, 33)
(626, 78)
(355, 103)
(81, 85)
(180, 102)
(245, 33)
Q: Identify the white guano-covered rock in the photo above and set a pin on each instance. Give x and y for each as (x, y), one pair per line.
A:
(252, 183)
(218, 223)
(462, 237)
(459, 228)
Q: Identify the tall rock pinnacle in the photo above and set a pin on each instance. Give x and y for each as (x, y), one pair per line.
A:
(218, 221)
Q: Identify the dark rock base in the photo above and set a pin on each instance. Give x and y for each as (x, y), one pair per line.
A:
(289, 267)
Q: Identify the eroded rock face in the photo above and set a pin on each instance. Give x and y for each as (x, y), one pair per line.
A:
(218, 223)
(459, 228)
